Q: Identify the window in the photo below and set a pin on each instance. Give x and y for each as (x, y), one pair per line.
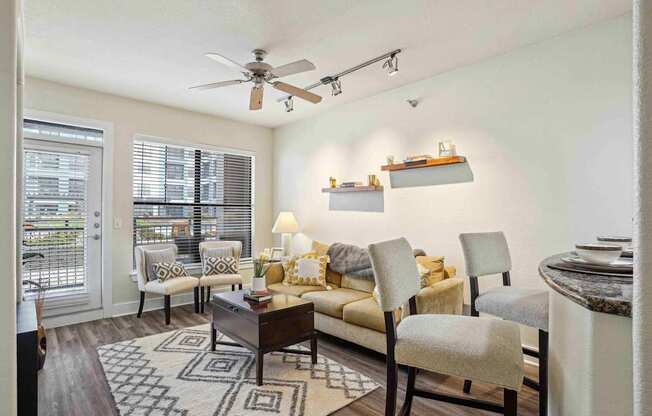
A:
(185, 195)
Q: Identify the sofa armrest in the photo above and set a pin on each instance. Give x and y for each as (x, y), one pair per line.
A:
(445, 297)
(274, 274)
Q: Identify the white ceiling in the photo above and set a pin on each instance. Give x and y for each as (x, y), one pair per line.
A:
(153, 49)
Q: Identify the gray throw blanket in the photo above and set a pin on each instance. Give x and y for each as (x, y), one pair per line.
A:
(351, 260)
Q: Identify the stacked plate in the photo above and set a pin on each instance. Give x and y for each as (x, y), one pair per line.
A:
(624, 266)
(610, 256)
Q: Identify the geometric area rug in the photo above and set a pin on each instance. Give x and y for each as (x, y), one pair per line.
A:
(176, 374)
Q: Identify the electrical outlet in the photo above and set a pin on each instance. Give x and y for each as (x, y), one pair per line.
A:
(117, 223)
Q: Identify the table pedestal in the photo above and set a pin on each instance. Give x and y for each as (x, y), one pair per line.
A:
(590, 361)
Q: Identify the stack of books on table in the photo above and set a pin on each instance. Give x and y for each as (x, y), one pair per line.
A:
(258, 296)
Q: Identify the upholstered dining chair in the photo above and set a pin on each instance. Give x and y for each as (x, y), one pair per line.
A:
(156, 287)
(218, 249)
(488, 254)
(486, 350)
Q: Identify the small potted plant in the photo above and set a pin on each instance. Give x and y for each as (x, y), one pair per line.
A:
(258, 283)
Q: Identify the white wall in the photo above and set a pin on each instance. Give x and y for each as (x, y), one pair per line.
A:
(547, 132)
(131, 117)
(7, 207)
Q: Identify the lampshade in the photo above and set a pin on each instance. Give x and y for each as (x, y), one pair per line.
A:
(285, 223)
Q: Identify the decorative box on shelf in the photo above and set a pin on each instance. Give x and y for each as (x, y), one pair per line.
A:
(424, 163)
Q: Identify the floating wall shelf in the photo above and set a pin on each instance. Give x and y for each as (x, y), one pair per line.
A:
(353, 189)
(429, 163)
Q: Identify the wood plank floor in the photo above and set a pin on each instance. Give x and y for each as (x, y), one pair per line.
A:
(73, 384)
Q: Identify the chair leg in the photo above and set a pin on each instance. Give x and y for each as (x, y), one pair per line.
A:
(467, 386)
(511, 402)
(142, 303)
(208, 294)
(202, 299)
(196, 298)
(232, 288)
(392, 385)
(167, 309)
(409, 392)
(239, 286)
(543, 373)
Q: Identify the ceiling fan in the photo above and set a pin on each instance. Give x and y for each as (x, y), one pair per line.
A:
(260, 73)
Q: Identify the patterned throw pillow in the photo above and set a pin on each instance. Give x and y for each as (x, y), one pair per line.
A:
(167, 255)
(220, 265)
(306, 270)
(167, 271)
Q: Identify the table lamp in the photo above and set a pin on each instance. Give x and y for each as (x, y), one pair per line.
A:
(286, 224)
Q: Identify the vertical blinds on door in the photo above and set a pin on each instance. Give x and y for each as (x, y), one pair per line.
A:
(185, 195)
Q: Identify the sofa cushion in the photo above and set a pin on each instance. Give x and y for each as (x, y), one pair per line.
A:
(294, 290)
(332, 302)
(366, 313)
(356, 283)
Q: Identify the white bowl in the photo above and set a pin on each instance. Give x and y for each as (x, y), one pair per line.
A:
(599, 253)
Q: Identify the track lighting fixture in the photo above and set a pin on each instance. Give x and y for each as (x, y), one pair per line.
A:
(289, 104)
(392, 65)
(336, 87)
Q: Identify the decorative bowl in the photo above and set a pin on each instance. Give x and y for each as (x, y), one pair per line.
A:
(599, 253)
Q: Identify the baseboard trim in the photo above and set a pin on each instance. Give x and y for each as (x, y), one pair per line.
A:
(72, 318)
(151, 304)
(156, 303)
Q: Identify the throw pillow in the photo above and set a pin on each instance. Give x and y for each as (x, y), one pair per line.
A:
(319, 248)
(167, 271)
(220, 265)
(167, 255)
(307, 270)
(434, 266)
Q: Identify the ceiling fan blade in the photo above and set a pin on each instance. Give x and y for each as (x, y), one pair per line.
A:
(293, 68)
(217, 84)
(226, 61)
(297, 92)
(256, 98)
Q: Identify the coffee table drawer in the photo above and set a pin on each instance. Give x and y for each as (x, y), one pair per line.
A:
(278, 332)
(233, 322)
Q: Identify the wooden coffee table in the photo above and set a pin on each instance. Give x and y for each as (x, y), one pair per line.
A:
(261, 328)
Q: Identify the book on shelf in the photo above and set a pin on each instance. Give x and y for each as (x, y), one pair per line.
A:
(258, 296)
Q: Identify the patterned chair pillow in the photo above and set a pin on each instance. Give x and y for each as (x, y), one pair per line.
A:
(167, 271)
(220, 265)
(167, 255)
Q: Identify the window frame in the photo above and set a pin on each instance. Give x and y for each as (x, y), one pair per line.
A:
(202, 146)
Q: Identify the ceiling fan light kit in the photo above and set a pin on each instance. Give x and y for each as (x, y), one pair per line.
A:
(260, 73)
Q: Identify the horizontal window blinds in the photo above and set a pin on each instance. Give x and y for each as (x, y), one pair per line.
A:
(42, 130)
(184, 195)
(54, 220)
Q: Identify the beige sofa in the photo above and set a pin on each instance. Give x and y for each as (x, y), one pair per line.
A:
(349, 311)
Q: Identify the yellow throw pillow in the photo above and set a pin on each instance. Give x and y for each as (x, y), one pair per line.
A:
(432, 268)
(320, 248)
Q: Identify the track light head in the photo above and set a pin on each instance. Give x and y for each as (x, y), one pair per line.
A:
(392, 65)
(336, 87)
(289, 104)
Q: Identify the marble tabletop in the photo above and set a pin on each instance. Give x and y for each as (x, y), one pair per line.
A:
(605, 294)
